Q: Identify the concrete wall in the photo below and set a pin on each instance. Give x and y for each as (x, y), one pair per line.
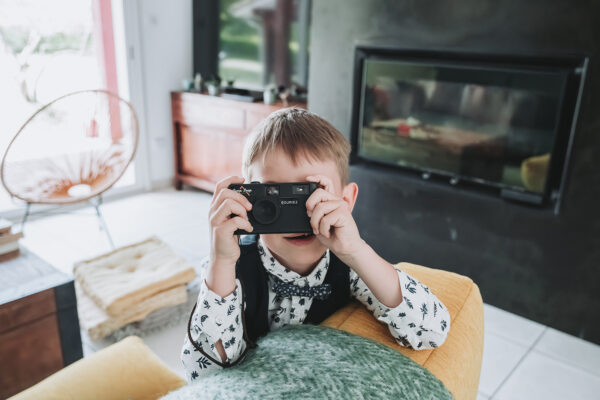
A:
(165, 51)
(526, 260)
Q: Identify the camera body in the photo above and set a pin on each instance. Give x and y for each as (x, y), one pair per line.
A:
(277, 207)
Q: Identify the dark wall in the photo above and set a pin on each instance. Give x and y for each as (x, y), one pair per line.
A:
(525, 260)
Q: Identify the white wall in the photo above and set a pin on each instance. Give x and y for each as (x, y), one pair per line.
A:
(159, 40)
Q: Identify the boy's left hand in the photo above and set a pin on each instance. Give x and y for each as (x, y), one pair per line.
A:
(331, 219)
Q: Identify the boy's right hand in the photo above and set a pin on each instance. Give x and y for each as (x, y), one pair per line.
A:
(223, 242)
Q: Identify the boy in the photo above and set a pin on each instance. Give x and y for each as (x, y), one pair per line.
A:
(280, 279)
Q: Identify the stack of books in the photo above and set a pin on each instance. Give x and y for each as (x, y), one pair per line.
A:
(9, 240)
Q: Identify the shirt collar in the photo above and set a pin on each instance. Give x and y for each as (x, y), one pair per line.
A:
(316, 277)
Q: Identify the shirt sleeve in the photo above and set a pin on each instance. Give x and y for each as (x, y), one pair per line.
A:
(420, 321)
(214, 318)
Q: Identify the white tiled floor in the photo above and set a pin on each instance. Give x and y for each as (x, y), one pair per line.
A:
(522, 359)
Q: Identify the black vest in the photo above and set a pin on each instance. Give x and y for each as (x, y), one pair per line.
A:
(254, 279)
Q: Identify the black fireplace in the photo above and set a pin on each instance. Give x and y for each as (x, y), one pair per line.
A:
(493, 123)
(525, 257)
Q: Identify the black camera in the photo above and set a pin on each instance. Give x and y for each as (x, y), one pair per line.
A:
(277, 207)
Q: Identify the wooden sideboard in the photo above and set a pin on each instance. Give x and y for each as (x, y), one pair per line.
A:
(39, 324)
(209, 134)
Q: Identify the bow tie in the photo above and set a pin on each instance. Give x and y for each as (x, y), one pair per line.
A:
(288, 289)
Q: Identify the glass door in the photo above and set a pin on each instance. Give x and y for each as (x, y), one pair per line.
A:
(47, 50)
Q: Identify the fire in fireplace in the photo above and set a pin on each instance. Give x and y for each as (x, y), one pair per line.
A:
(491, 122)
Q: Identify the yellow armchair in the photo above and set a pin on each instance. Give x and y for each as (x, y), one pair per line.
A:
(457, 362)
(130, 370)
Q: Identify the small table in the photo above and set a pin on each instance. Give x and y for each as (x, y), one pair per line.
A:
(39, 325)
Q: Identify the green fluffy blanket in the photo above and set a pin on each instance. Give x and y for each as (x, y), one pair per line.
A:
(317, 362)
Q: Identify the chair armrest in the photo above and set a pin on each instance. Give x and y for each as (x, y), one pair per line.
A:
(457, 362)
(125, 370)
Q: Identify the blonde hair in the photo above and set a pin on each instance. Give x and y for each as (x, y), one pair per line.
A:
(297, 132)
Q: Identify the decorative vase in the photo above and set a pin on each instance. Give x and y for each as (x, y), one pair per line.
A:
(213, 90)
(198, 82)
(187, 84)
(269, 96)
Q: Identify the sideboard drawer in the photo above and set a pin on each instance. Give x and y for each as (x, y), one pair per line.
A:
(30, 308)
(204, 113)
(31, 352)
(206, 153)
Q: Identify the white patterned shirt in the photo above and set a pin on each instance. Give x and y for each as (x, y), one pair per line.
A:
(420, 321)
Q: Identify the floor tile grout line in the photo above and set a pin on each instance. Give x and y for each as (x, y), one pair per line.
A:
(513, 341)
(529, 350)
(544, 352)
(567, 362)
(484, 396)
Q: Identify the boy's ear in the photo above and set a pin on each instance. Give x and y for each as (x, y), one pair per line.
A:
(349, 194)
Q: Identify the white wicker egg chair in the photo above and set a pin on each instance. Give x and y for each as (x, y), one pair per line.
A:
(71, 150)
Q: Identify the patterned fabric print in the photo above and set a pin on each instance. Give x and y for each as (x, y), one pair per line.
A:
(316, 277)
(284, 310)
(215, 318)
(420, 321)
(289, 289)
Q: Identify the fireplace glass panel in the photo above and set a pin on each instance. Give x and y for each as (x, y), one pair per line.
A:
(490, 125)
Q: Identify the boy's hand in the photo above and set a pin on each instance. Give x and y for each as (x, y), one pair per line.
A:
(331, 219)
(224, 247)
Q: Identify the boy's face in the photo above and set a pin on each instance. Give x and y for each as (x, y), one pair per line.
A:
(278, 167)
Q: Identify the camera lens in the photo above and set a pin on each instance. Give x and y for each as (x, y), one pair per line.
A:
(265, 211)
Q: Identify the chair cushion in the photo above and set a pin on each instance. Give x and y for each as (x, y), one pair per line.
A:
(120, 279)
(125, 370)
(49, 180)
(457, 362)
